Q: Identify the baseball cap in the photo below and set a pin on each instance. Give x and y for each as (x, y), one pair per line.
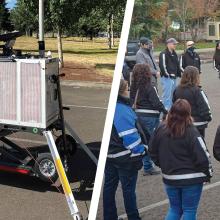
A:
(145, 40)
(172, 41)
(190, 43)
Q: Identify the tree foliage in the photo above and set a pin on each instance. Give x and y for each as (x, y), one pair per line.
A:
(192, 14)
(82, 17)
(148, 18)
(5, 22)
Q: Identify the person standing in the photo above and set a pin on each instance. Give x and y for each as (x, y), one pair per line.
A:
(190, 57)
(181, 153)
(216, 59)
(145, 56)
(170, 70)
(147, 105)
(124, 158)
(190, 90)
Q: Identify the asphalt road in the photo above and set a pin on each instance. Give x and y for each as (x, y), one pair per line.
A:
(151, 198)
(24, 197)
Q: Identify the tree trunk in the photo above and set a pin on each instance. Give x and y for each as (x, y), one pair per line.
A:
(184, 34)
(91, 36)
(112, 30)
(109, 32)
(60, 48)
(182, 17)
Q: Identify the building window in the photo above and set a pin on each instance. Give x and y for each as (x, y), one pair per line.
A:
(212, 30)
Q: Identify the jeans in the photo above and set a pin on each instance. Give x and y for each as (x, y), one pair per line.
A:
(148, 124)
(184, 201)
(128, 180)
(168, 87)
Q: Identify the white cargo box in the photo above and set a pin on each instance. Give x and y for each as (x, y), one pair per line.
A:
(27, 95)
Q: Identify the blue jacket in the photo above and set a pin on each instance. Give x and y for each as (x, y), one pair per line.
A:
(126, 143)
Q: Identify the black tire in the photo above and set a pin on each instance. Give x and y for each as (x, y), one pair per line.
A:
(71, 144)
(45, 168)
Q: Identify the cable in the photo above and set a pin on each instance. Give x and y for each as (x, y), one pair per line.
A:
(29, 153)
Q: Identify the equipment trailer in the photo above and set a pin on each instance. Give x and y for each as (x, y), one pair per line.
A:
(31, 101)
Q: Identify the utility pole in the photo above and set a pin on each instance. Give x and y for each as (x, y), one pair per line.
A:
(41, 41)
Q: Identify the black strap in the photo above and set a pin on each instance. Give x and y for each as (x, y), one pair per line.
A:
(155, 67)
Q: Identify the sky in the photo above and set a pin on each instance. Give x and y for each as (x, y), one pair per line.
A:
(10, 3)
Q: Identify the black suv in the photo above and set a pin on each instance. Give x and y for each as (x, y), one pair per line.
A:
(132, 49)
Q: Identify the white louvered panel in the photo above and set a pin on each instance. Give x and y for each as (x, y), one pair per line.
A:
(31, 92)
(8, 92)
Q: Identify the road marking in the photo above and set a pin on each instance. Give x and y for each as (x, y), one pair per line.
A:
(86, 106)
(166, 201)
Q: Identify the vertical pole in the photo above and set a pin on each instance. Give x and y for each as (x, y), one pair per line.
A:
(112, 30)
(184, 23)
(62, 176)
(41, 42)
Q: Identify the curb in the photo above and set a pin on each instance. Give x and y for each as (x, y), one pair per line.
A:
(206, 61)
(86, 84)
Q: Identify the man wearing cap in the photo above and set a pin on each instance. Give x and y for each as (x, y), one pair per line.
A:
(170, 70)
(190, 57)
(145, 56)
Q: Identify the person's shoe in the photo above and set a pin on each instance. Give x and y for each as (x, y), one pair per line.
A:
(152, 171)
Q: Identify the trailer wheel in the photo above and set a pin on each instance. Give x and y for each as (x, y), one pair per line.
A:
(70, 142)
(45, 168)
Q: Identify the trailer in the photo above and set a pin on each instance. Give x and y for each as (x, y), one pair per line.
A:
(31, 102)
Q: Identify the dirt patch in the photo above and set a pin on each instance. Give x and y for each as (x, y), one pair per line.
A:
(82, 72)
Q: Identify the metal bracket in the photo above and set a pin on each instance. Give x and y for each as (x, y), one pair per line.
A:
(80, 142)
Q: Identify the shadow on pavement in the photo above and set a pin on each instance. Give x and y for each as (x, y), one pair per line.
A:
(81, 169)
(83, 196)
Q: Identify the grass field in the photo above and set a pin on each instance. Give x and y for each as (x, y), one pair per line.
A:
(81, 51)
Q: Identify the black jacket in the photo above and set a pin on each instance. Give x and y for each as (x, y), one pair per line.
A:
(169, 64)
(127, 145)
(184, 160)
(216, 65)
(190, 59)
(216, 147)
(148, 101)
(199, 103)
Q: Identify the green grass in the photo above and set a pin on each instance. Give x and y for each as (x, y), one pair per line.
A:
(83, 51)
(180, 46)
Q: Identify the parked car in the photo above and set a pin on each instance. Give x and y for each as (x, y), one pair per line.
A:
(130, 59)
(132, 49)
